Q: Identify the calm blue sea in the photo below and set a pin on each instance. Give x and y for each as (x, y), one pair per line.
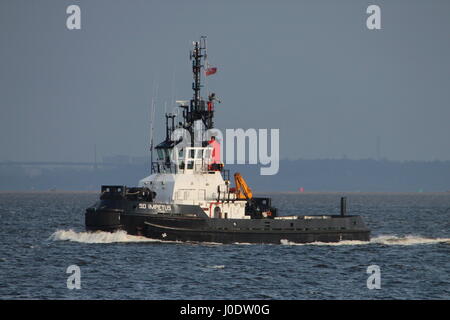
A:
(42, 234)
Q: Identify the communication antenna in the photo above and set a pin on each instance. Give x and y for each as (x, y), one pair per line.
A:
(152, 120)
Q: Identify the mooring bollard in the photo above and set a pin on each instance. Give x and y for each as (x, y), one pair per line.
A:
(343, 206)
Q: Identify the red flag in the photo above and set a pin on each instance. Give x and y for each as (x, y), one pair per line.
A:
(210, 71)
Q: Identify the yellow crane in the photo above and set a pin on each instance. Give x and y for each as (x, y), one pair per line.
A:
(243, 191)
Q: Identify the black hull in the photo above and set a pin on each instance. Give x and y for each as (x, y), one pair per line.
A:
(187, 225)
(275, 237)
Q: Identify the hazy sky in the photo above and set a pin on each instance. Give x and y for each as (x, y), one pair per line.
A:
(310, 68)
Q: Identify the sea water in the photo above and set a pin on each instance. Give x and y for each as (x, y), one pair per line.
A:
(42, 234)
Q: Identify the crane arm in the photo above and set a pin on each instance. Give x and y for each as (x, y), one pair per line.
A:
(243, 191)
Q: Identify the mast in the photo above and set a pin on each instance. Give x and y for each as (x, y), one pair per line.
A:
(194, 110)
(196, 68)
(198, 108)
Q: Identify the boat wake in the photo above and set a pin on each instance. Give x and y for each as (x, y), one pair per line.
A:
(97, 237)
(407, 240)
(111, 237)
(122, 236)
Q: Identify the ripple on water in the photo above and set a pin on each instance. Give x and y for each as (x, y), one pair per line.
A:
(413, 257)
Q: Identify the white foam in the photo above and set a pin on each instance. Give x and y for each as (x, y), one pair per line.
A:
(216, 267)
(122, 236)
(318, 243)
(407, 240)
(97, 237)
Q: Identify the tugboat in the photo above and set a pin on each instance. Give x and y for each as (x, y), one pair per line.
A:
(189, 197)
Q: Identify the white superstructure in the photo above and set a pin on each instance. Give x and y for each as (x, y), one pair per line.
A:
(190, 178)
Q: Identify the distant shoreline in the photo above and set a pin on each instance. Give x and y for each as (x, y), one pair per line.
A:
(257, 193)
(354, 192)
(49, 191)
